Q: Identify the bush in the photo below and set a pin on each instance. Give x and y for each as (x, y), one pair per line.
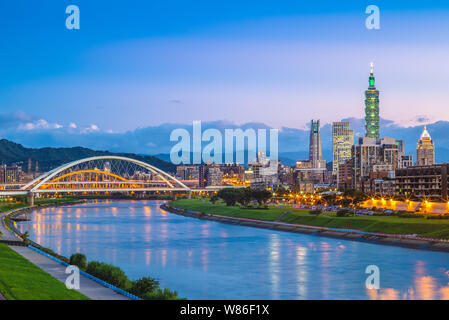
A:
(343, 213)
(160, 294)
(109, 273)
(315, 212)
(441, 216)
(79, 260)
(410, 215)
(143, 286)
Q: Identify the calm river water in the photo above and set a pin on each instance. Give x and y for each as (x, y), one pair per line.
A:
(208, 260)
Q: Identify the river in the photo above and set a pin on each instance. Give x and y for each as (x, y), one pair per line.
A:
(208, 260)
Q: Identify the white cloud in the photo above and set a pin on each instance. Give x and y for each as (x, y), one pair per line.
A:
(90, 129)
(39, 124)
(73, 125)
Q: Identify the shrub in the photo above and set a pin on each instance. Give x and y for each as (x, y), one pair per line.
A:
(441, 216)
(109, 273)
(342, 213)
(142, 286)
(79, 260)
(315, 212)
(160, 294)
(410, 215)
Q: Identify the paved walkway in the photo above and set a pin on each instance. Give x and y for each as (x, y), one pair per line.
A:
(5, 233)
(88, 287)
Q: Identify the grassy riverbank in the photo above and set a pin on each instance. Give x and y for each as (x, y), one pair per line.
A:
(22, 280)
(387, 224)
(4, 207)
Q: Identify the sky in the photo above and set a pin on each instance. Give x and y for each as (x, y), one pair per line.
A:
(135, 64)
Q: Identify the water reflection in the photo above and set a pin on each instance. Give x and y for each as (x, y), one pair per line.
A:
(207, 260)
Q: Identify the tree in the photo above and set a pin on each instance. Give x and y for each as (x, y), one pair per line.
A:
(355, 197)
(244, 196)
(229, 196)
(142, 286)
(330, 199)
(25, 237)
(261, 196)
(214, 198)
(79, 260)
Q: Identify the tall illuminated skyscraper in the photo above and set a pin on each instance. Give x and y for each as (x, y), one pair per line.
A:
(342, 141)
(372, 108)
(315, 154)
(425, 149)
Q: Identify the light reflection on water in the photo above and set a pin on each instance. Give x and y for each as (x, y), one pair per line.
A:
(207, 260)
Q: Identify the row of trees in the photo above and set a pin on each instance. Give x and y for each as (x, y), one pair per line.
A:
(242, 196)
(350, 197)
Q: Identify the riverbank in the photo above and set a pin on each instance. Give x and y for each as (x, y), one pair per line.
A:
(22, 280)
(26, 274)
(98, 280)
(349, 228)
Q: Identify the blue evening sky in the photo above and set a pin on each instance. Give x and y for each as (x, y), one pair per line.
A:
(142, 63)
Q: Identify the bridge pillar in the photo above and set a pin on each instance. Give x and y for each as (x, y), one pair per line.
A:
(175, 196)
(189, 194)
(31, 199)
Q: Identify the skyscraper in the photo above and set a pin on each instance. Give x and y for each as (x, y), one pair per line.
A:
(342, 141)
(425, 149)
(315, 154)
(372, 109)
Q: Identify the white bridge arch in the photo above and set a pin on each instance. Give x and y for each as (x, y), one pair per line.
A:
(120, 175)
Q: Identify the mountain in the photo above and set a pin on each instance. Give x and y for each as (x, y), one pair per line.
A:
(49, 158)
(293, 142)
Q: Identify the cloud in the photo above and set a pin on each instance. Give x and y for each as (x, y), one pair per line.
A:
(90, 129)
(39, 124)
(156, 139)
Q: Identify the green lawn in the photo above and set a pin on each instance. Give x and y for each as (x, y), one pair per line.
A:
(11, 206)
(4, 207)
(392, 224)
(205, 206)
(22, 280)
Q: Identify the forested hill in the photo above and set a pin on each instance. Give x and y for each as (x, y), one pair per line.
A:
(48, 158)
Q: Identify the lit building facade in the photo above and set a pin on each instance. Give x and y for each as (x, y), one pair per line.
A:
(425, 149)
(315, 154)
(263, 173)
(376, 155)
(342, 141)
(429, 182)
(372, 108)
(209, 175)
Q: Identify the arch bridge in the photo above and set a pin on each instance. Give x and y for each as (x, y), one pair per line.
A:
(102, 174)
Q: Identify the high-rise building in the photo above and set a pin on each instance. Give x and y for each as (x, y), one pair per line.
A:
(425, 149)
(375, 155)
(342, 141)
(428, 182)
(372, 108)
(209, 175)
(315, 154)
